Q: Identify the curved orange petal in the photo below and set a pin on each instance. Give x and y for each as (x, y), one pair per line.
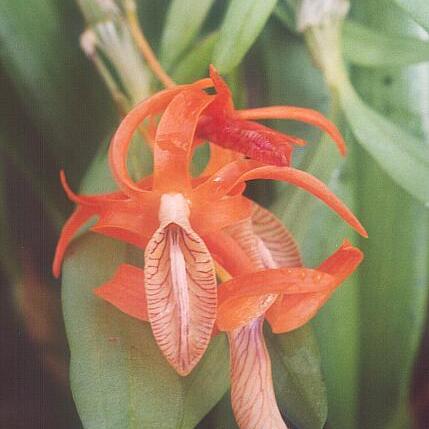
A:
(291, 312)
(119, 217)
(126, 222)
(241, 171)
(252, 393)
(174, 141)
(223, 103)
(343, 262)
(237, 304)
(297, 114)
(121, 140)
(294, 311)
(77, 220)
(126, 291)
(88, 200)
(224, 180)
(180, 286)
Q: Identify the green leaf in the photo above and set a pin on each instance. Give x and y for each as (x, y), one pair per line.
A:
(119, 377)
(221, 416)
(418, 9)
(394, 274)
(195, 65)
(404, 157)
(242, 24)
(61, 96)
(183, 22)
(286, 11)
(297, 376)
(366, 47)
(393, 293)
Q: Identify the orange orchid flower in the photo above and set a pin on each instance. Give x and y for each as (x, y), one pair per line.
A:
(184, 224)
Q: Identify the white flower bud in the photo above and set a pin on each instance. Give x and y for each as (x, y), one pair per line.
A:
(313, 13)
(88, 42)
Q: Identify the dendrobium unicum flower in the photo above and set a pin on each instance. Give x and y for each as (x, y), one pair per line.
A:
(187, 226)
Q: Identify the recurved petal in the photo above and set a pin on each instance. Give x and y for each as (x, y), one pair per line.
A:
(174, 140)
(312, 185)
(126, 291)
(181, 290)
(237, 172)
(242, 299)
(118, 150)
(292, 311)
(252, 394)
(297, 114)
(78, 219)
(343, 262)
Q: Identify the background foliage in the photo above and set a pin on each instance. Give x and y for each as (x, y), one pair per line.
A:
(370, 343)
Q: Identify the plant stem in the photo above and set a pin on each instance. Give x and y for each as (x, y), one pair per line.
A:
(143, 45)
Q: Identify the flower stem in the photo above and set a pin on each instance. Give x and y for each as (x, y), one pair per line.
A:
(143, 45)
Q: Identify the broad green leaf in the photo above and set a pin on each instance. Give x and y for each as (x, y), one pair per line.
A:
(195, 65)
(418, 10)
(40, 53)
(207, 384)
(366, 47)
(119, 377)
(221, 416)
(393, 293)
(286, 11)
(297, 375)
(183, 22)
(398, 152)
(242, 24)
(394, 275)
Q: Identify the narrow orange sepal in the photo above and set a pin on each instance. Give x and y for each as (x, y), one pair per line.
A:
(126, 291)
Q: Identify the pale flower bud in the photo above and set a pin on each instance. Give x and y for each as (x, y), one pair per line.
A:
(313, 13)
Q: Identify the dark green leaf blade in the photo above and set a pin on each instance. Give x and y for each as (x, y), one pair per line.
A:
(119, 377)
(41, 54)
(207, 384)
(116, 367)
(366, 47)
(242, 24)
(195, 65)
(183, 22)
(286, 11)
(297, 375)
